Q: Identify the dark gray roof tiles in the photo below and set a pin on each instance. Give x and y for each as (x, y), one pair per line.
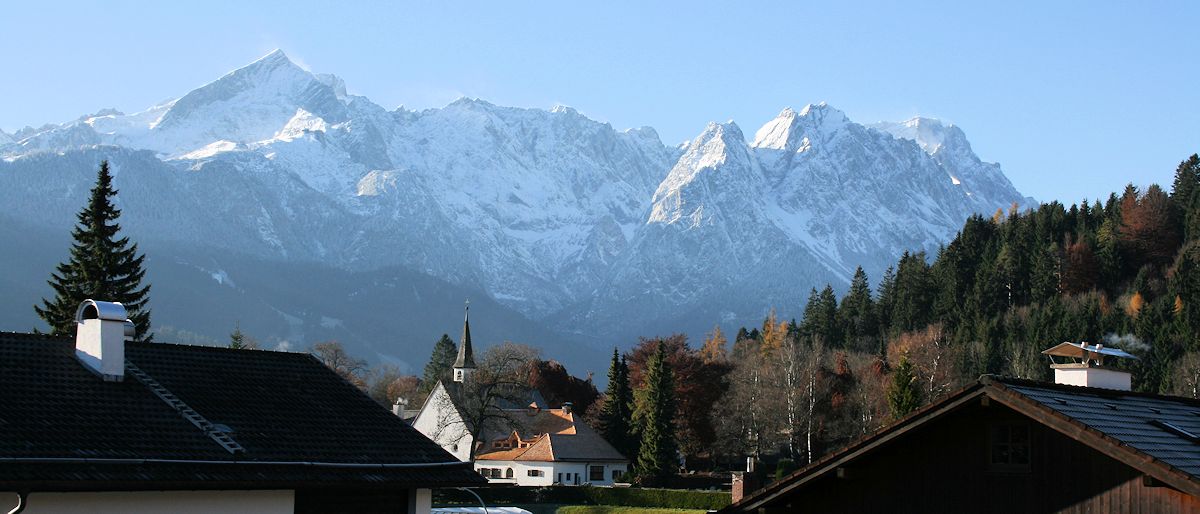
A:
(1137, 420)
(281, 407)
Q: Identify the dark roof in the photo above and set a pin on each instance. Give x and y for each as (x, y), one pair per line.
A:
(466, 356)
(280, 407)
(1140, 421)
(1156, 434)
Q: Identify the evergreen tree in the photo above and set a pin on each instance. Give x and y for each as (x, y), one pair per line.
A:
(857, 314)
(657, 454)
(1045, 278)
(441, 363)
(812, 314)
(887, 301)
(101, 267)
(829, 329)
(914, 293)
(240, 341)
(614, 420)
(904, 395)
(1185, 195)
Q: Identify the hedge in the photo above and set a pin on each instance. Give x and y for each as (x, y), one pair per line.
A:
(588, 495)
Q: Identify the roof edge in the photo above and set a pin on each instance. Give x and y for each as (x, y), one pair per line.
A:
(996, 388)
(1092, 438)
(856, 449)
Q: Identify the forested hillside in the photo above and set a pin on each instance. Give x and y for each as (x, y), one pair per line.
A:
(1124, 272)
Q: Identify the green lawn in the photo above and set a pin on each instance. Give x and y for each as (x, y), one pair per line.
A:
(606, 509)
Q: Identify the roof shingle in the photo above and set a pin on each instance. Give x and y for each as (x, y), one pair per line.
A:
(281, 407)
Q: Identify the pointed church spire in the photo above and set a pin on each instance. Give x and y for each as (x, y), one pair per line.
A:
(465, 363)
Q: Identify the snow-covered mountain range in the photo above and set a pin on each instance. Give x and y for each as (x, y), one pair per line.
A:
(595, 233)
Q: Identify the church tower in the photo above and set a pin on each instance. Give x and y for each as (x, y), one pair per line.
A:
(464, 365)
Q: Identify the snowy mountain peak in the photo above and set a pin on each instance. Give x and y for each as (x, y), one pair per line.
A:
(724, 132)
(560, 217)
(983, 181)
(275, 57)
(246, 105)
(790, 128)
(929, 133)
(563, 109)
(719, 158)
(335, 82)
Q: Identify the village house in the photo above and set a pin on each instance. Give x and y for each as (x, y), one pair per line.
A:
(1085, 443)
(531, 444)
(101, 424)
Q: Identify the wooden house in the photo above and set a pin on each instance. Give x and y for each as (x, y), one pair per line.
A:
(1010, 445)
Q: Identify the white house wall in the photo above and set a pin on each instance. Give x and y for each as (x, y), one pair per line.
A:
(551, 472)
(176, 502)
(441, 422)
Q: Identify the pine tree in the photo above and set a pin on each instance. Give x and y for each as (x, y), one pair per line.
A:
(1185, 195)
(239, 341)
(1045, 277)
(857, 313)
(101, 267)
(614, 420)
(831, 330)
(440, 364)
(657, 454)
(886, 303)
(903, 395)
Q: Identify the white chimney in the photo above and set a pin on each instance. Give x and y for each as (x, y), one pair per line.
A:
(400, 406)
(100, 332)
(1087, 368)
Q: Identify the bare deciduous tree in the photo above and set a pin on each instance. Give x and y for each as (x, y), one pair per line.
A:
(1187, 375)
(475, 406)
(932, 355)
(334, 356)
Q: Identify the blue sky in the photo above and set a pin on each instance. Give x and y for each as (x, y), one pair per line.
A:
(1074, 99)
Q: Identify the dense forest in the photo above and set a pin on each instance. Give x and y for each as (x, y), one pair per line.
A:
(1124, 271)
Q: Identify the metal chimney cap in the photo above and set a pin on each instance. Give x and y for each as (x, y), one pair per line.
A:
(1084, 350)
(107, 311)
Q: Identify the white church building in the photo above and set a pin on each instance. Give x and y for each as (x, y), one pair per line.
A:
(538, 446)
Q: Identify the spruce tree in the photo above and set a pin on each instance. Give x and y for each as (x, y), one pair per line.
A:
(1185, 196)
(657, 455)
(237, 340)
(857, 311)
(615, 417)
(887, 302)
(903, 395)
(440, 364)
(101, 267)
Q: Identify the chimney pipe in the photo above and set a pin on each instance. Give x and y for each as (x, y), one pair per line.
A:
(745, 482)
(566, 407)
(1086, 368)
(101, 329)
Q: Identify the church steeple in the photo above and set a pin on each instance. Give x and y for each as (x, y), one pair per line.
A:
(465, 363)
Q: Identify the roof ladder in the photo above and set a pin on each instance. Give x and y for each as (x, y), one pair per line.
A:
(222, 438)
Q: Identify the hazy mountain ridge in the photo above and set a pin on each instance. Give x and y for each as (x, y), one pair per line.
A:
(591, 231)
